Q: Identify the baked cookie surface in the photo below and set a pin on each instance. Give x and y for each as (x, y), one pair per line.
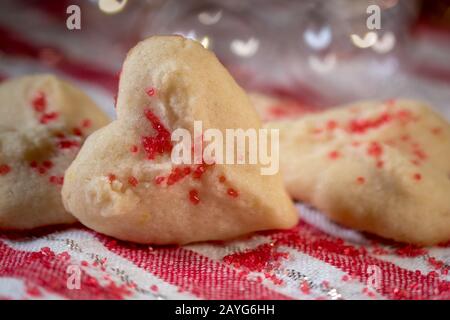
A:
(43, 122)
(381, 167)
(123, 182)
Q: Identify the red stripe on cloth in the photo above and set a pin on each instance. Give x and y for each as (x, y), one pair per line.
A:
(49, 271)
(395, 282)
(13, 44)
(192, 272)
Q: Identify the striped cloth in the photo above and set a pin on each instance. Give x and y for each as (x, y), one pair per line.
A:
(315, 260)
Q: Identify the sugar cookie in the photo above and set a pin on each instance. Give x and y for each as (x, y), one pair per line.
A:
(377, 167)
(271, 108)
(123, 182)
(43, 122)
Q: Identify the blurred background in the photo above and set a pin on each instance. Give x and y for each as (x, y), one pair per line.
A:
(318, 53)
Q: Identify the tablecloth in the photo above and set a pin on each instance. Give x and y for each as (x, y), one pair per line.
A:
(316, 260)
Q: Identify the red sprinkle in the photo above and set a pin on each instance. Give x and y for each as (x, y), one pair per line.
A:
(134, 149)
(47, 117)
(150, 92)
(112, 177)
(305, 288)
(57, 180)
(417, 176)
(334, 155)
(159, 180)
(199, 171)
(360, 180)
(160, 143)
(39, 102)
(263, 258)
(86, 123)
(360, 126)
(154, 288)
(176, 175)
(331, 125)
(375, 149)
(222, 179)
(133, 181)
(67, 144)
(232, 193)
(77, 132)
(47, 164)
(193, 196)
(380, 164)
(4, 169)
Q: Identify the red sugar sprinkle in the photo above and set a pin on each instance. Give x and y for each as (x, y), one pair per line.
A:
(417, 176)
(360, 180)
(150, 92)
(436, 130)
(159, 180)
(112, 177)
(232, 193)
(67, 144)
(331, 125)
(262, 258)
(133, 181)
(345, 278)
(305, 288)
(154, 287)
(47, 117)
(193, 196)
(77, 132)
(410, 251)
(222, 179)
(420, 154)
(86, 123)
(42, 170)
(375, 149)
(199, 171)
(161, 142)
(334, 155)
(56, 180)
(33, 291)
(39, 102)
(380, 164)
(360, 126)
(4, 169)
(84, 263)
(405, 137)
(134, 149)
(176, 175)
(47, 164)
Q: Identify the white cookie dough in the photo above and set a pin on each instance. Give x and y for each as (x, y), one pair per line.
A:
(43, 123)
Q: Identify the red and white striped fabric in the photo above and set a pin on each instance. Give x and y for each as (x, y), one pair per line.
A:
(315, 260)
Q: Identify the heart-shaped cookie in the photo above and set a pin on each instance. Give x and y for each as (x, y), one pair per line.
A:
(123, 182)
(381, 167)
(43, 122)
